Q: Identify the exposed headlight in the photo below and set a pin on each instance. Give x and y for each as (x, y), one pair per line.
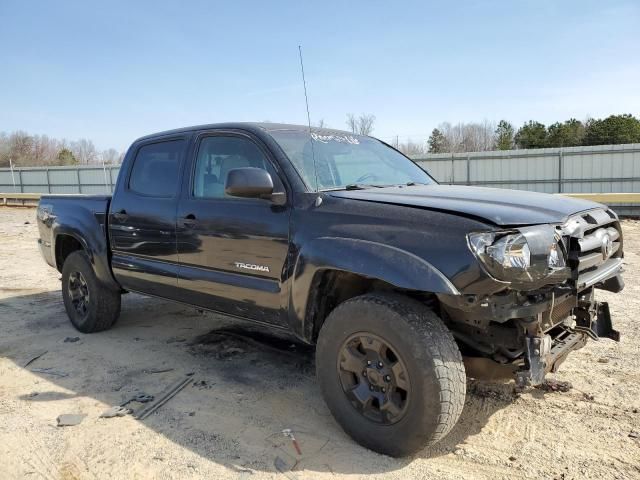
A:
(511, 251)
(523, 255)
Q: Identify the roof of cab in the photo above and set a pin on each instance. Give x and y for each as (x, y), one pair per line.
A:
(264, 126)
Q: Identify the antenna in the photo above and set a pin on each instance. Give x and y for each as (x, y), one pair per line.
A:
(306, 100)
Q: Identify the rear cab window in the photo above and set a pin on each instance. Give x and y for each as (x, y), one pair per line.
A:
(156, 169)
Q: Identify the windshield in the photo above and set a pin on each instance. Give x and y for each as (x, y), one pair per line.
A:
(344, 160)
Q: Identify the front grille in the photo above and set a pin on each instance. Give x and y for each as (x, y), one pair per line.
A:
(594, 242)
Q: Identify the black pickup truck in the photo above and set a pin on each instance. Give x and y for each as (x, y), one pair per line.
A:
(345, 243)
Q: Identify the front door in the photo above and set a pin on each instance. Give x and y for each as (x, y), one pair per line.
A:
(142, 219)
(232, 251)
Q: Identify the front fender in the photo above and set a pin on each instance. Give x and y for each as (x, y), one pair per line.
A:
(369, 259)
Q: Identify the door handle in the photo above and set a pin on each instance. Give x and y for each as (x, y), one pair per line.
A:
(120, 215)
(189, 219)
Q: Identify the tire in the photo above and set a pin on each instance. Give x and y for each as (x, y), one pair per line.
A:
(430, 402)
(91, 306)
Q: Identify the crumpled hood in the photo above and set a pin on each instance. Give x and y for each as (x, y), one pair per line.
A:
(500, 206)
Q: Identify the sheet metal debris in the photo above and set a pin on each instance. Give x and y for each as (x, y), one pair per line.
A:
(121, 410)
(115, 411)
(49, 371)
(140, 398)
(158, 370)
(70, 419)
(171, 392)
(34, 358)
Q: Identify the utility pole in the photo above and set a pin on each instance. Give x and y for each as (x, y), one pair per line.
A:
(104, 170)
(13, 178)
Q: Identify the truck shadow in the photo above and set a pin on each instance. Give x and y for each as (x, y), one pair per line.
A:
(247, 385)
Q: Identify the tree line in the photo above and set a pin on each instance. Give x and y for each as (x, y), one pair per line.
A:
(486, 135)
(475, 137)
(26, 150)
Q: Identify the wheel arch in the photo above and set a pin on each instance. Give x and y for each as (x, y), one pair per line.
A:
(65, 244)
(90, 237)
(329, 271)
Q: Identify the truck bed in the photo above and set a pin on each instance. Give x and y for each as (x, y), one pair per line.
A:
(82, 217)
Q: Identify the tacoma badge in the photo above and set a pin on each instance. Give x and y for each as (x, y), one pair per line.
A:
(250, 266)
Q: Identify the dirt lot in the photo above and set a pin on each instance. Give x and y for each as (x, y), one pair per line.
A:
(228, 423)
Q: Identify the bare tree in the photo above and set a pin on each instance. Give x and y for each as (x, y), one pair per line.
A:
(44, 150)
(110, 156)
(412, 148)
(362, 125)
(20, 147)
(352, 122)
(468, 137)
(4, 150)
(322, 123)
(37, 150)
(84, 151)
(366, 124)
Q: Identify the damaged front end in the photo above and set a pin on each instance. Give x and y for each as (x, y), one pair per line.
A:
(547, 307)
(545, 349)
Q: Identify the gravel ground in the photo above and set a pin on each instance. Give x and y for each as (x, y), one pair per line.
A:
(245, 390)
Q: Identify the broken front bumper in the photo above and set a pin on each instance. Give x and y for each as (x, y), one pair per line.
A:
(544, 353)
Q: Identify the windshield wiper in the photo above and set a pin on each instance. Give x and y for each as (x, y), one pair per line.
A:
(413, 184)
(354, 186)
(363, 186)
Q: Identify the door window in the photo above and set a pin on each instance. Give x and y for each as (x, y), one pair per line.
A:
(218, 155)
(156, 168)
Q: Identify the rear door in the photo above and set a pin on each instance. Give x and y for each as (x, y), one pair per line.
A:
(233, 251)
(142, 218)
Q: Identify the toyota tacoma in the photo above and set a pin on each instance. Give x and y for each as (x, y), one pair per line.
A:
(343, 242)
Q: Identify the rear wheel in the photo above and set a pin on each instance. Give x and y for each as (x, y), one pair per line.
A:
(91, 306)
(390, 372)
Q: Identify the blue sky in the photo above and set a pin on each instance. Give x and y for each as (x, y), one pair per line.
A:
(113, 71)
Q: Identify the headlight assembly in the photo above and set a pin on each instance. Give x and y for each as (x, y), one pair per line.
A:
(510, 251)
(526, 255)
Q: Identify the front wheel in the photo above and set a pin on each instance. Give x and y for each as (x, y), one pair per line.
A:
(91, 306)
(390, 373)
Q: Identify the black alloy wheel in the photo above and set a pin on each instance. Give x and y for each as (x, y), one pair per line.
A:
(90, 305)
(390, 372)
(79, 294)
(374, 378)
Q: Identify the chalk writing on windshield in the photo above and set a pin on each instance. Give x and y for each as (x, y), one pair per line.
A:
(335, 138)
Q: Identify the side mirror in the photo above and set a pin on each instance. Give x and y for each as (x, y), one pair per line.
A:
(250, 182)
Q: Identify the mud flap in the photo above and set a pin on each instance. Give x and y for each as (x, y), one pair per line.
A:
(602, 326)
(597, 323)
